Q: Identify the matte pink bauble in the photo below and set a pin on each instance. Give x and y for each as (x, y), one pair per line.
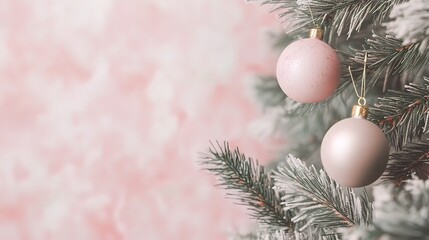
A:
(354, 152)
(308, 71)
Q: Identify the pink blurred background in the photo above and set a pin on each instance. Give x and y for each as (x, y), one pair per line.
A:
(105, 106)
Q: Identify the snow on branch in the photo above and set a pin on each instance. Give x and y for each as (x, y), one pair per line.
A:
(413, 160)
(403, 116)
(411, 23)
(248, 184)
(399, 213)
(317, 200)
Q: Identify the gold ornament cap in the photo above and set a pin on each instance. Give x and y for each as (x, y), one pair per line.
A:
(360, 111)
(316, 33)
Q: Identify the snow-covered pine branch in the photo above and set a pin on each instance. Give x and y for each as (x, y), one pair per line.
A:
(399, 214)
(248, 184)
(317, 200)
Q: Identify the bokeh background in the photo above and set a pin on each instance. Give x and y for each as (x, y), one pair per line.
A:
(105, 106)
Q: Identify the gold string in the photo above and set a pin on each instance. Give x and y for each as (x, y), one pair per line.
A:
(361, 96)
(311, 14)
(363, 87)
(354, 83)
(323, 19)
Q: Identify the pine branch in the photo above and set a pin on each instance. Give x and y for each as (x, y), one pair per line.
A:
(387, 56)
(350, 14)
(278, 235)
(270, 235)
(399, 214)
(403, 116)
(413, 160)
(317, 199)
(248, 184)
(343, 14)
(249, 236)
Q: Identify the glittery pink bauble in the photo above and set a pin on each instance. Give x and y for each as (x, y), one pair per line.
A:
(354, 152)
(308, 71)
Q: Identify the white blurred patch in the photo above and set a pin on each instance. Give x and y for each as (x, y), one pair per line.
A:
(54, 214)
(76, 14)
(3, 50)
(213, 59)
(164, 126)
(160, 89)
(70, 24)
(167, 4)
(66, 102)
(161, 93)
(213, 56)
(97, 202)
(20, 156)
(9, 231)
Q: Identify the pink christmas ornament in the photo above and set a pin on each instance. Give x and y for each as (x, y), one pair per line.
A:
(355, 151)
(308, 70)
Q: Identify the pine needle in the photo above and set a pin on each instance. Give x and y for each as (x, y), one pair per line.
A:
(399, 213)
(403, 116)
(413, 160)
(248, 184)
(317, 200)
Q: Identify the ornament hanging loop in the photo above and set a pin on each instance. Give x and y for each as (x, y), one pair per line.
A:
(360, 110)
(362, 101)
(361, 96)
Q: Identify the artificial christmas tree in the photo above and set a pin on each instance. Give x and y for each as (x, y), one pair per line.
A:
(299, 201)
